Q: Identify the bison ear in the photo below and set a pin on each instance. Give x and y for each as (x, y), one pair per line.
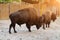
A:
(53, 16)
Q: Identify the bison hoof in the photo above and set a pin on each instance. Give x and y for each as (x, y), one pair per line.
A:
(9, 32)
(29, 30)
(15, 31)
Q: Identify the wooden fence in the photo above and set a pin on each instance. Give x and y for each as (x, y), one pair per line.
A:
(6, 9)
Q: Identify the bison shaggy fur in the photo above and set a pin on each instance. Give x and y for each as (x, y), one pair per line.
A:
(47, 18)
(28, 16)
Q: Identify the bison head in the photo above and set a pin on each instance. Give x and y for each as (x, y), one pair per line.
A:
(53, 17)
(40, 22)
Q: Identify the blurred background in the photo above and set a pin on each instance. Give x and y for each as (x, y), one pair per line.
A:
(9, 6)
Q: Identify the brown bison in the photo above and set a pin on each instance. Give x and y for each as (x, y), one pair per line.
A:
(47, 17)
(28, 16)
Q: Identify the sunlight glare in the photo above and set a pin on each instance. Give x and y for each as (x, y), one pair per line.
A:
(58, 0)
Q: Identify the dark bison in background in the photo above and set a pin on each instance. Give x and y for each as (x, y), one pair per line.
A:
(47, 18)
(28, 16)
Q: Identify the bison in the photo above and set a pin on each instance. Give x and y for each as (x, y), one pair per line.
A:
(28, 16)
(47, 17)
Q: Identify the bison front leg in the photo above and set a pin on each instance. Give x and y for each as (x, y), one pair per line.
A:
(10, 28)
(28, 26)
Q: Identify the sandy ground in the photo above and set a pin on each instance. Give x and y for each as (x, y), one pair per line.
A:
(52, 33)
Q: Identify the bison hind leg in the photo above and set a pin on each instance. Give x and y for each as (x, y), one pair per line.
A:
(12, 25)
(10, 28)
(14, 28)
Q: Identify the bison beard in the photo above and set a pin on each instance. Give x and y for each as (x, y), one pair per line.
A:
(28, 16)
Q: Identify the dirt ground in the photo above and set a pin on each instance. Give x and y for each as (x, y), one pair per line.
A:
(52, 33)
